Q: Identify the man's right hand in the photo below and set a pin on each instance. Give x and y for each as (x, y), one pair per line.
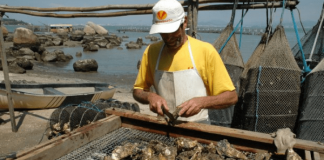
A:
(155, 101)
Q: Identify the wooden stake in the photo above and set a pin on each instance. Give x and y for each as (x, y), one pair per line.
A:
(6, 78)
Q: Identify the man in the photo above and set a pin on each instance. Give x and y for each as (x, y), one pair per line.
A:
(185, 72)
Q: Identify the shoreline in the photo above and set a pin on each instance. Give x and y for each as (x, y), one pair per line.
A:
(33, 124)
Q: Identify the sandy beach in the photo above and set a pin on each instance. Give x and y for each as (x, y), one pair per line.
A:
(32, 124)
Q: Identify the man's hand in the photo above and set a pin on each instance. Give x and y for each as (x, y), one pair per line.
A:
(191, 107)
(155, 103)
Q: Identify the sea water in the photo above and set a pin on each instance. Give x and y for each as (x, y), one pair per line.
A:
(115, 62)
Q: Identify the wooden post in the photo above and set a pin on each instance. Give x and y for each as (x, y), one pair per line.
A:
(192, 17)
(6, 78)
(189, 17)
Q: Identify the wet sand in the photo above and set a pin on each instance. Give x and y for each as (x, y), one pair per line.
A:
(32, 124)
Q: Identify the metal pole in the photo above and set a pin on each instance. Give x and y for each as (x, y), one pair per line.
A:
(6, 77)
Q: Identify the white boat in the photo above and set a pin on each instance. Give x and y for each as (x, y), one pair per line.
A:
(41, 96)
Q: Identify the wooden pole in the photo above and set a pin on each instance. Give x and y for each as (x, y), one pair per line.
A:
(195, 18)
(148, 11)
(6, 78)
(189, 17)
(118, 7)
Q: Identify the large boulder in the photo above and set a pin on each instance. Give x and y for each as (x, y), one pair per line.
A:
(99, 29)
(57, 41)
(85, 65)
(102, 43)
(4, 31)
(139, 41)
(114, 40)
(24, 37)
(77, 35)
(89, 30)
(15, 68)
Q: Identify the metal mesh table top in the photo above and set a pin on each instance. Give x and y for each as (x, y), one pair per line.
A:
(103, 146)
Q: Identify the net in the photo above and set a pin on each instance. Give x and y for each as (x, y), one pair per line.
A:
(272, 88)
(307, 42)
(71, 117)
(255, 58)
(234, 64)
(311, 117)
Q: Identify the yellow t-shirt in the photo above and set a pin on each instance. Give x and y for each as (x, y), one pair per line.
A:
(207, 60)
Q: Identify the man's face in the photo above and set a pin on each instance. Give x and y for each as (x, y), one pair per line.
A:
(174, 40)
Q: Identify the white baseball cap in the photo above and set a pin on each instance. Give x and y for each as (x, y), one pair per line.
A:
(167, 16)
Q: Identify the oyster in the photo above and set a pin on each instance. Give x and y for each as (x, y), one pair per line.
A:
(226, 149)
(124, 151)
(184, 144)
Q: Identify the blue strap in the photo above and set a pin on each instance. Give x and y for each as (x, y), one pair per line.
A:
(241, 30)
(258, 98)
(306, 68)
(229, 37)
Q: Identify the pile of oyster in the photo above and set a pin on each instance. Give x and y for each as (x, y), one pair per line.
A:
(183, 149)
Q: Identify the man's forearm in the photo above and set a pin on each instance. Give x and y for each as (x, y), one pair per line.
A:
(141, 96)
(220, 101)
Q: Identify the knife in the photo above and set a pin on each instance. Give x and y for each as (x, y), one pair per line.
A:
(171, 118)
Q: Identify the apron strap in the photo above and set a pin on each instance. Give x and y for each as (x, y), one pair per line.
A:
(190, 53)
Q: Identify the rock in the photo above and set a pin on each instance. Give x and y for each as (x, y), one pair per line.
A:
(109, 46)
(49, 43)
(77, 35)
(89, 30)
(42, 39)
(24, 37)
(24, 63)
(4, 31)
(58, 52)
(85, 65)
(114, 40)
(102, 43)
(152, 38)
(90, 47)
(119, 48)
(139, 41)
(124, 36)
(58, 42)
(99, 29)
(49, 57)
(87, 39)
(9, 37)
(29, 57)
(25, 51)
(68, 56)
(132, 45)
(14, 68)
(38, 57)
(78, 54)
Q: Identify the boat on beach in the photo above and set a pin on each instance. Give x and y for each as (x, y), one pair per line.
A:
(43, 96)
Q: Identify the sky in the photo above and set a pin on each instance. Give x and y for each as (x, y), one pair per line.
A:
(310, 11)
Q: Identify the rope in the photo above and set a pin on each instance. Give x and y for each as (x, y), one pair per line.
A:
(233, 12)
(229, 37)
(241, 30)
(301, 23)
(318, 31)
(283, 10)
(269, 27)
(258, 97)
(306, 68)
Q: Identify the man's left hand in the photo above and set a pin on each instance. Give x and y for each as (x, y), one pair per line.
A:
(191, 107)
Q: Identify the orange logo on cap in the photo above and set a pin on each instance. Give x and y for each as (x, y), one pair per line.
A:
(161, 15)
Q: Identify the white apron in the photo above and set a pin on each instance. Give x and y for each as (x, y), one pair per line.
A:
(179, 86)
